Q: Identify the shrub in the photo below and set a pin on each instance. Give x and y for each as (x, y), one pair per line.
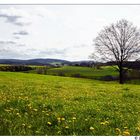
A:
(15, 68)
(61, 73)
(109, 78)
(76, 75)
(133, 74)
(41, 70)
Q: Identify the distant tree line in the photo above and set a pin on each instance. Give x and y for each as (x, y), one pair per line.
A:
(15, 68)
(126, 64)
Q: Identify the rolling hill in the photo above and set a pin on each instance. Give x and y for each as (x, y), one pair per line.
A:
(40, 61)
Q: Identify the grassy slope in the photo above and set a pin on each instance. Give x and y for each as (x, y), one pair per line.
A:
(83, 71)
(32, 104)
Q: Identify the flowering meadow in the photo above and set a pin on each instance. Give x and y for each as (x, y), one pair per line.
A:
(32, 104)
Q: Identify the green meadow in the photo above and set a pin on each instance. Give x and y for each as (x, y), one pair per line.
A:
(86, 72)
(33, 104)
(77, 71)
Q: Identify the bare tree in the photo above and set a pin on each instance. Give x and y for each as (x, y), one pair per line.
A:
(118, 42)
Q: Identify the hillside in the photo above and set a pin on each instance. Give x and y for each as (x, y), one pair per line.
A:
(83, 72)
(53, 105)
(33, 61)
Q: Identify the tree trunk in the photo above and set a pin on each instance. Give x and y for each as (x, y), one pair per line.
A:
(121, 78)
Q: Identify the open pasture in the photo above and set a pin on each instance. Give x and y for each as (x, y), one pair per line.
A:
(32, 104)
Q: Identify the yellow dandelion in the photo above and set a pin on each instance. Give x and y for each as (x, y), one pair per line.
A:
(91, 128)
(62, 119)
(18, 114)
(126, 133)
(74, 118)
(29, 126)
(118, 131)
(7, 110)
(67, 127)
(19, 97)
(35, 110)
(106, 122)
(23, 124)
(11, 108)
(102, 123)
(138, 129)
(37, 131)
(49, 123)
(59, 119)
(29, 105)
(59, 132)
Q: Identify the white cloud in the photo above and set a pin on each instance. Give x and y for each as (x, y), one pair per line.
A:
(15, 16)
(63, 31)
(21, 33)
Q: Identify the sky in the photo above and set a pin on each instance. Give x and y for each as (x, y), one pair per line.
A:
(57, 31)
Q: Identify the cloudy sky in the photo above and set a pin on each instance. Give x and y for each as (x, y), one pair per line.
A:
(57, 31)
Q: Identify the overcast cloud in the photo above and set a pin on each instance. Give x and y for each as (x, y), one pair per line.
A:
(21, 33)
(56, 31)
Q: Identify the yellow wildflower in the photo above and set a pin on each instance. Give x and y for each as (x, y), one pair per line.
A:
(29, 105)
(59, 119)
(106, 122)
(118, 131)
(138, 129)
(18, 114)
(23, 124)
(102, 123)
(91, 128)
(29, 126)
(126, 133)
(59, 132)
(62, 119)
(37, 131)
(49, 123)
(35, 110)
(74, 118)
(7, 110)
(67, 127)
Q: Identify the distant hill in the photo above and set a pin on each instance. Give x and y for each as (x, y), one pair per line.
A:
(82, 63)
(34, 61)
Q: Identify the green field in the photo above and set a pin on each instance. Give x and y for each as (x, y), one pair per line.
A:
(85, 72)
(32, 104)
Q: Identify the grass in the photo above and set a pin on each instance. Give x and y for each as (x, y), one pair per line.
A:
(32, 104)
(85, 72)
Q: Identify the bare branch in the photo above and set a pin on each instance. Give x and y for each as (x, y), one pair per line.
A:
(119, 42)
